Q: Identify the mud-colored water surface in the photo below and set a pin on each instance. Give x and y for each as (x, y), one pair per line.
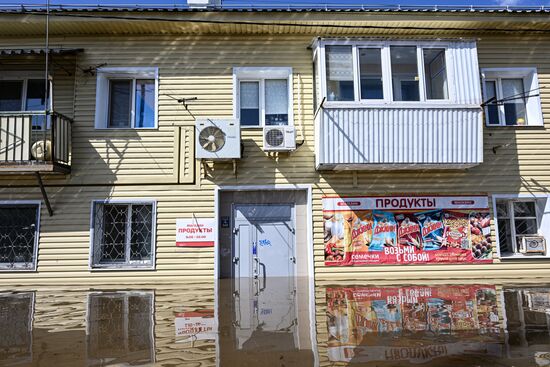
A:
(277, 322)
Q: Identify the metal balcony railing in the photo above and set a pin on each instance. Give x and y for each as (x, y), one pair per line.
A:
(33, 141)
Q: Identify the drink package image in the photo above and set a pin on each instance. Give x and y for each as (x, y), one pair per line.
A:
(384, 233)
(432, 229)
(456, 231)
(334, 228)
(361, 234)
(408, 232)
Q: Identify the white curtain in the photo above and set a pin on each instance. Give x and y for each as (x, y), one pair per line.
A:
(276, 97)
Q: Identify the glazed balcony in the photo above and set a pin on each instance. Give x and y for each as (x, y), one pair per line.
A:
(33, 142)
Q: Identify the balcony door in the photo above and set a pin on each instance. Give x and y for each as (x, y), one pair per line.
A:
(17, 95)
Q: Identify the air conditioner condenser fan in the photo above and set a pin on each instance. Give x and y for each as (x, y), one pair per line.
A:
(275, 137)
(212, 139)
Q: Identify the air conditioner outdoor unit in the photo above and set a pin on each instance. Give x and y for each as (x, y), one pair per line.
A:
(217, 139)
(279, 138)
(534, 244)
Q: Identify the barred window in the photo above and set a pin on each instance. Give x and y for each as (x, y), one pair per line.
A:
(123, 235)
(18, 236)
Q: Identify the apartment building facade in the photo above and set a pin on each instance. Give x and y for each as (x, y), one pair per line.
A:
(192, 144)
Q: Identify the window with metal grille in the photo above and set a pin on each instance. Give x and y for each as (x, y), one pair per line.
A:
(18, 236)
(123, 234)
(120, 328)
(516, 219)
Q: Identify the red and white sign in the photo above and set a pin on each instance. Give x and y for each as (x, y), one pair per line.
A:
(405, 202)
(195, 232)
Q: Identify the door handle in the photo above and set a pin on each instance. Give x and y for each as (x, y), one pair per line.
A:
(262, 265)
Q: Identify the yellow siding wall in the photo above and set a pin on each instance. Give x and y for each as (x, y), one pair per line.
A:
(159, 163)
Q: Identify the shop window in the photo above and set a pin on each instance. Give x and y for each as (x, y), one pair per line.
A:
(19, 236)
(16, 315)
(120, 328)
(511, 97)
(123, 235)
(263, 96)
(516, 219)
(126, 98)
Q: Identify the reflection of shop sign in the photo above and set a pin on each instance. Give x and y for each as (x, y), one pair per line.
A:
(198, 325)
(196, 232)
(406, 230)
(360, 321)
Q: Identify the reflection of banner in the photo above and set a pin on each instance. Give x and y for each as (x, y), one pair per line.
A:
(406, 230)
(431, 322)
(197, 325)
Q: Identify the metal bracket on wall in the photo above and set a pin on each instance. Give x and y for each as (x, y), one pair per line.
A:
(44, 194)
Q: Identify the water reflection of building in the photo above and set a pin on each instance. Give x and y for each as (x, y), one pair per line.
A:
(16, 314)
(120, 328)
(527, 321)
(414, 324)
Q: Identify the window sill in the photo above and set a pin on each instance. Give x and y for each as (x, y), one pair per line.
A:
(415, 105)
(510, 127)
(18, 270)
(520, 257)
(121, 268)
(126, 128)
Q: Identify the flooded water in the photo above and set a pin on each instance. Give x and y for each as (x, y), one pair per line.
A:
(277, 322)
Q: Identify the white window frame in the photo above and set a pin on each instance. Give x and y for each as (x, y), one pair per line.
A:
(387, 83)
(36, 238)
(261, 74)
(529, 76)
(543, 222)
(136, 265)
(104, 75)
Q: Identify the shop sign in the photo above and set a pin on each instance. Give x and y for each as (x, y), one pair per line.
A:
(198, 325)
(195, 232)
(407, 230)
(368, 324)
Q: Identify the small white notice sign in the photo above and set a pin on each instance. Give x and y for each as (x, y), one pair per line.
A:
(195, 232)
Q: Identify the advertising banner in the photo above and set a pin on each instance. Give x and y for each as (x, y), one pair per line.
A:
(406, 230)
(195, 232)
(414, 324)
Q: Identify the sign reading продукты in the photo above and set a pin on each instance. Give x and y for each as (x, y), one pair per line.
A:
(195, 232)
(406, 230)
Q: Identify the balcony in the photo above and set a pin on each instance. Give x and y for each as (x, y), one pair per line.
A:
(385, 104)
(33, 142)
(400, 138)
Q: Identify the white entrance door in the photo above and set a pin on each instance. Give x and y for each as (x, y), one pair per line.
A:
(264, 268)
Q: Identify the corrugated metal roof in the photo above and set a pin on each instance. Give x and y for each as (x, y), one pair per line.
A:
(38, 51)
(249, 7)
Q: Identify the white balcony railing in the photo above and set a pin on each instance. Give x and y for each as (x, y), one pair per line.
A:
(394, 138)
